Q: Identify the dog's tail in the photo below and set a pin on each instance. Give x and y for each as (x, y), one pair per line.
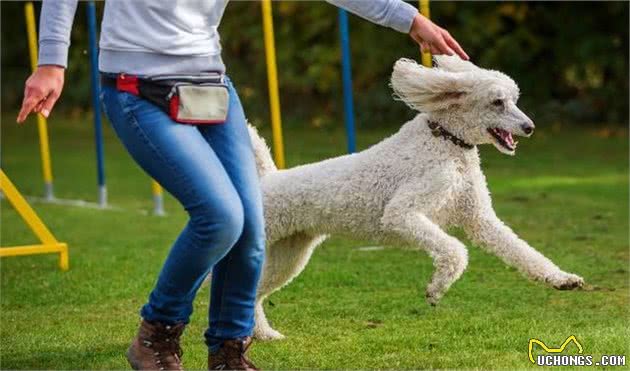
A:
(262, 153)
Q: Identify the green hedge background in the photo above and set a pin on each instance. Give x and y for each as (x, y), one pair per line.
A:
(569, 58)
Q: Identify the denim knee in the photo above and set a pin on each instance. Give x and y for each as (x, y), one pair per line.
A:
(217, 226)
(254, 235)
(252, 241)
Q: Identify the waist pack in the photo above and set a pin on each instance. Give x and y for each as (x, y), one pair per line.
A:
(187, 99)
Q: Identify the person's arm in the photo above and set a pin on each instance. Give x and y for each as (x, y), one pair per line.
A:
(54, 31)
(404, 17)
(395, 14)
(43, 87)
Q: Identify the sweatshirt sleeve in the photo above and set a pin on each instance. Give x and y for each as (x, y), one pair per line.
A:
(395, 14)
(55, 25)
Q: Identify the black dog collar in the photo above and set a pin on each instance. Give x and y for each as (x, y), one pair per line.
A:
(439, 131)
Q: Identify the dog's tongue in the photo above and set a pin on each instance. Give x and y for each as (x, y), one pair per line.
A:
(506, 136)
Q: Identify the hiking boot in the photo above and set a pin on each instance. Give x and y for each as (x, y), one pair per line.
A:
(156, 347)
(231, 356)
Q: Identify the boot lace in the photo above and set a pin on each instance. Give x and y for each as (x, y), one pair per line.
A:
(165, 342)
(235, 356)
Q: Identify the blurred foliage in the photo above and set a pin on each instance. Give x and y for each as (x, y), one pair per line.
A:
(569, 58)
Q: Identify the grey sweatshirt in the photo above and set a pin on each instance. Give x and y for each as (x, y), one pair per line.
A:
(151, 37)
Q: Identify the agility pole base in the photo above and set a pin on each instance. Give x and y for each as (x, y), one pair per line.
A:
(49, 243)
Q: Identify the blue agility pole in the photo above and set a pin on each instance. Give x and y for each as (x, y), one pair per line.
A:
(346, 76)
(98, 127)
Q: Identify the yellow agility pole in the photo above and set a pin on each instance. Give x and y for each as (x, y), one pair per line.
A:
(42, 126)
(158, 198)
(272, 77)
(49, 243)
(426, 55)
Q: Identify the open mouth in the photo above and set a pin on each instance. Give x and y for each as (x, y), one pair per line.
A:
(503, 140)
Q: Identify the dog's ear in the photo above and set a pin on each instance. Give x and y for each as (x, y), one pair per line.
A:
(429, 89)
(453, 64)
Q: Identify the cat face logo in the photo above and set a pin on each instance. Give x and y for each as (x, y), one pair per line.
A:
(552, 350)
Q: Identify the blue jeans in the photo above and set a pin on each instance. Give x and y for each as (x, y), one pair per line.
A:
(211, 171)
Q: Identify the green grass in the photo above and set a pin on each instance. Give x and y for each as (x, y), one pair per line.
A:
(566, 193)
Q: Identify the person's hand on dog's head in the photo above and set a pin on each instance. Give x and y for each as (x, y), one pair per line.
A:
(41, 91)
(434, 39)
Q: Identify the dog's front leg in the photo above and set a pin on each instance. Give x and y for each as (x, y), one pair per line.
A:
(450, 256)
(487, 230)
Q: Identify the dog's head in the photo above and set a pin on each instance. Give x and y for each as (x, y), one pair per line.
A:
(475, 104)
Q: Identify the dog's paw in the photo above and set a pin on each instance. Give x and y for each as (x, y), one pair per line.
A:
(268, 334)
(433, 295)
(565, 281)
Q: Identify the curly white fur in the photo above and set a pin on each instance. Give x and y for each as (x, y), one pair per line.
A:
(406, 189)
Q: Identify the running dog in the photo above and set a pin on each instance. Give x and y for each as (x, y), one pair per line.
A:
(409, 188)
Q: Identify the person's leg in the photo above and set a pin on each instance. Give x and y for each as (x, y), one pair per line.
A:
(181, 160)
(235, 277)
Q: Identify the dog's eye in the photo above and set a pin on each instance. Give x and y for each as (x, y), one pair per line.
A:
(497, 102)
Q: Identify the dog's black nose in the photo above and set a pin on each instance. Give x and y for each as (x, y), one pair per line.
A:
(527, 128)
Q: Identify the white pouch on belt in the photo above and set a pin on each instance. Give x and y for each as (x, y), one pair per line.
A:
(199, 104)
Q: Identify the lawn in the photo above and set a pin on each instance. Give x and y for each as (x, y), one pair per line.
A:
(566, 192)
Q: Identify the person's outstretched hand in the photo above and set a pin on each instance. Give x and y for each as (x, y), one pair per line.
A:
(41, 91)
(434, 39)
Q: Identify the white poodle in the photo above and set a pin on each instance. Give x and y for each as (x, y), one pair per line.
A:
(408, 188)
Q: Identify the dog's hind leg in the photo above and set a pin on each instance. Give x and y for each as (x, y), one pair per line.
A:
(450, 256)
(285, 259)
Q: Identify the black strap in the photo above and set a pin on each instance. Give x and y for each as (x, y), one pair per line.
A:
(108, 81)
(156, 93)
(438, 131)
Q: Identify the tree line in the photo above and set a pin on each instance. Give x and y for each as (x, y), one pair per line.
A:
(569, 58)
